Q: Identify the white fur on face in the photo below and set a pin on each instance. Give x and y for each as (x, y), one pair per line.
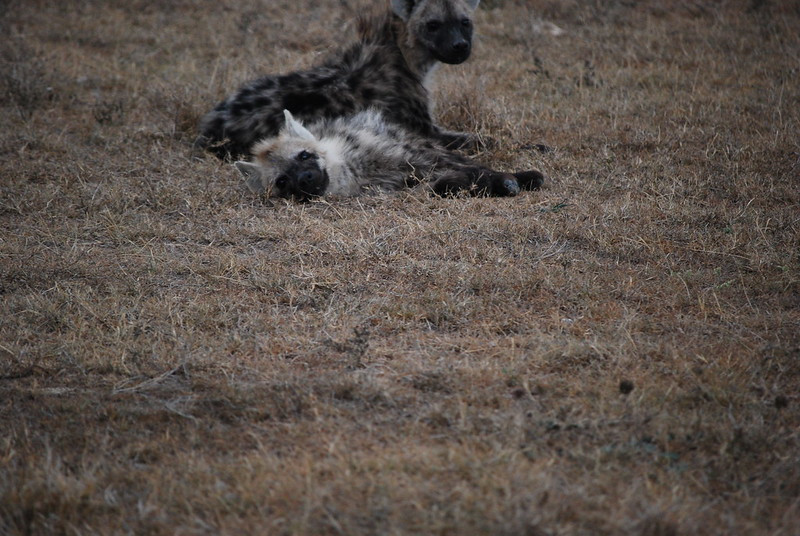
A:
(274, 156)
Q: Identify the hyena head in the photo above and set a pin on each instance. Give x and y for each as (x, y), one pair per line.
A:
(442, 27)
(291, 165)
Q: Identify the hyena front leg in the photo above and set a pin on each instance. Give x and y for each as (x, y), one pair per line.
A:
(476, 180)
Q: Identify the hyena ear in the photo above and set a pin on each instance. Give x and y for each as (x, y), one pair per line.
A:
(295, 128)
(402, 8)
(252, 176)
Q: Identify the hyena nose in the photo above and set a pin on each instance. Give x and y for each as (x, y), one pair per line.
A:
(461, 45)
(305, 178)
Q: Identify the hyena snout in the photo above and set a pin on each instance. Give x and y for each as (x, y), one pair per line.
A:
(303, 181)
(451, 41)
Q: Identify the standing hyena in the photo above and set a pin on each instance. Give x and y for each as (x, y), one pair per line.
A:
(347, 156)
(389, 68)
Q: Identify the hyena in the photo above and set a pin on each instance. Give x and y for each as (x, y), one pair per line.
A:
(390, 68)
(348, 156)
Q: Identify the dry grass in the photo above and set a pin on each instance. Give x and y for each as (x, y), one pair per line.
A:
(616, 354)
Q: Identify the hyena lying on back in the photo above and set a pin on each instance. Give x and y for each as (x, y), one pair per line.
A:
(347, 156)
(387, 69)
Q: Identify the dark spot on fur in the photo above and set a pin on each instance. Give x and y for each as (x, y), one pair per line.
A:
(262, 101)
(320, 83)
(217, 124)
(367, 93)
(241, 107)
(351, 139)
(296, 81)
(300, 103)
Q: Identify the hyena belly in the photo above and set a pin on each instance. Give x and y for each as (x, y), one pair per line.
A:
(349, 156)
(387, 69)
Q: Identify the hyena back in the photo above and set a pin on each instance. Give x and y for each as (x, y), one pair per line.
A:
(348, 156)
(388, 69)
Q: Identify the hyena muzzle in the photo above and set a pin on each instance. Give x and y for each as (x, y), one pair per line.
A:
(349, 156)
(388, 68)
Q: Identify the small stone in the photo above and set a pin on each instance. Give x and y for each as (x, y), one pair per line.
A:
(625, 387)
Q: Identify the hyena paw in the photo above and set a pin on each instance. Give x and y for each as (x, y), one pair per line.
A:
(477, 182)
(530, 180)
(504, 185)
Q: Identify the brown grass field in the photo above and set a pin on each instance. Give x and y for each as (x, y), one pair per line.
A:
(618, 353)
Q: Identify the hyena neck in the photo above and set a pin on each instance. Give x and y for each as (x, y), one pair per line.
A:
(390, 31)
(419, 61)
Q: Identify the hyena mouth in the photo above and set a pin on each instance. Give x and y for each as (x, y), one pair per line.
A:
(308, 184)
(453, 55)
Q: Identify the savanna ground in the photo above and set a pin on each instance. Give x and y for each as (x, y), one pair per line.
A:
(618, 353)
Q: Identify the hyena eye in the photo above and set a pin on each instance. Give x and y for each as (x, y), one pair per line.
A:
(433, 26)
(466, 23)
(281, 181)
(304, 155)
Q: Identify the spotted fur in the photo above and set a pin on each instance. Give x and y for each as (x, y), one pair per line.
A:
(388, 68)
(349, 156)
